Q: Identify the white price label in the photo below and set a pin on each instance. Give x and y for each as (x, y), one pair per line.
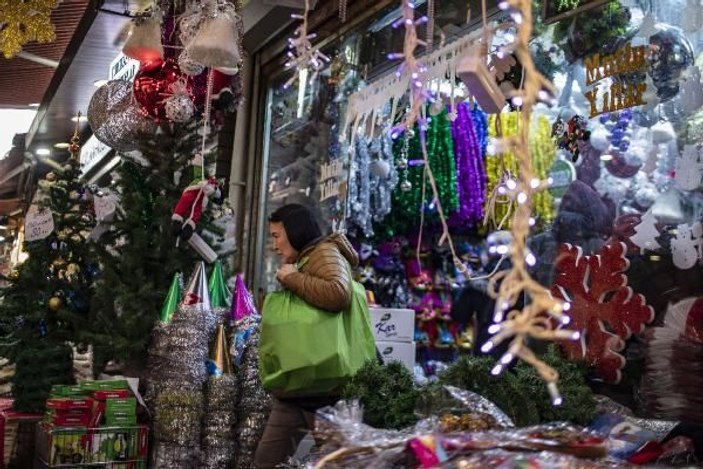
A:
(39, 224)
(105, 207)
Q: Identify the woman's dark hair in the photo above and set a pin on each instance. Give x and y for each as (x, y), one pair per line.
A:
(300, 224)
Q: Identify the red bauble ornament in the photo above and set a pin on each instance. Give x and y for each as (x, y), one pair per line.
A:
(152, 87)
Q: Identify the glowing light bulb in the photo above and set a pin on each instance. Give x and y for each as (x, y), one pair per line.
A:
(511, 184)
(531, 221)
(507, 358)
(493, 328)
(530, 259)
(497, 369)
(521, 198)
(534, 183)
(576, 335)
(485, 348)
(554, 394)
(566, 306)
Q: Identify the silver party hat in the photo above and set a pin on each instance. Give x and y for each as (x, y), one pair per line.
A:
(196, 292)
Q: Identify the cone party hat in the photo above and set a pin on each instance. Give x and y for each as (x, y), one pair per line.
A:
(172, 298)
(196, 292)
(243, 302)
(219, 363)
(220, 297)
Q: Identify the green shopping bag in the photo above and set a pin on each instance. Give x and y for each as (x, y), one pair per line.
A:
(306, 351)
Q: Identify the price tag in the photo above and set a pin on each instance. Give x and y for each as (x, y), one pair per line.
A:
(39, 224)
(105, 207)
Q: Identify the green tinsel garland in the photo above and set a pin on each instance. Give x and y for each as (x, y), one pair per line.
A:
(387, 394)
(440, 154)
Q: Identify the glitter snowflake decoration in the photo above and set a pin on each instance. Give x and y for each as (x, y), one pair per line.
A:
(25, 21)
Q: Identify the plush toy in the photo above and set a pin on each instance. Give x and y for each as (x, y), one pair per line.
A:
(193, 201)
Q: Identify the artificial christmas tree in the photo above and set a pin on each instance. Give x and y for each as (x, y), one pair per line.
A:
(139, 243)
(48, 299)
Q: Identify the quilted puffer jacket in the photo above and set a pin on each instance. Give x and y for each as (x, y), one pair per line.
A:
(324, 276)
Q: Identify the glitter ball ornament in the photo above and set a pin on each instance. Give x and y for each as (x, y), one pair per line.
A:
(115, 119)
(179, 108)
(380, 169)
(189, 66)
(406, 186)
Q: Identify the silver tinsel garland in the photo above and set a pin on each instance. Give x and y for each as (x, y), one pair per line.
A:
(218, 428)
(177, 373)
(254, 402)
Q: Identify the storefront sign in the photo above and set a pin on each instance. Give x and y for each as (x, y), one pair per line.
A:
(626, 92)
(124, 68)
(556, 10)
(330, 178)
(92, 152)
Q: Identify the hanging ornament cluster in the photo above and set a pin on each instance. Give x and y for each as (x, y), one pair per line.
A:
(304, 59)
(603, 307)
(25, 21)
(568, 134)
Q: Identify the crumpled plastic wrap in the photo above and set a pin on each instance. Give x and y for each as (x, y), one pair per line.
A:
(348, 443)
(447, 401)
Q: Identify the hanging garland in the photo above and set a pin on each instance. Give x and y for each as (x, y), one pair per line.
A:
(407, 198)
(471, 173)
(543, 154)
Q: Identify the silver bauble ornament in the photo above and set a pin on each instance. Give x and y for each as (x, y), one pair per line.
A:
(381, 169)
(179, 108)
(402, 163)
(671, 53)
(114, 117)
(189, 66)
(406, 186)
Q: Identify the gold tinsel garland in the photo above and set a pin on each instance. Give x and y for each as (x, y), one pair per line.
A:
(23, 21)
(498, 167)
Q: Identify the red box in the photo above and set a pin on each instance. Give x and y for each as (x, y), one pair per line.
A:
(67, 403)
(17, 430)
(71, 420)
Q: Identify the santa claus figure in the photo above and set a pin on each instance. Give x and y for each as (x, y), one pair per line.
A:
(190, 206)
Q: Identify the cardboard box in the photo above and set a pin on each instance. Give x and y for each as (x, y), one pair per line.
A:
(396, 325)
(403, 352)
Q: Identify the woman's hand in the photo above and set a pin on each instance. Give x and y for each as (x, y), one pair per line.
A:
(284, 271)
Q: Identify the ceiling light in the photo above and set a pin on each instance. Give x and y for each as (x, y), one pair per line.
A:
(34, 104)
(43, 152)
(62, 145)
(76, 119)
(99, 83)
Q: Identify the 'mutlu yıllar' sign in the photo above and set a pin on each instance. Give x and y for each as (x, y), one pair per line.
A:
(621, 94)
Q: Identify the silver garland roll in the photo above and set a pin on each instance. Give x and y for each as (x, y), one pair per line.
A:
(254, 402)
(220, 420)
(170, 455)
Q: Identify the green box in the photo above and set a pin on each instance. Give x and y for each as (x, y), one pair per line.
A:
(120, 420)
(127, 404)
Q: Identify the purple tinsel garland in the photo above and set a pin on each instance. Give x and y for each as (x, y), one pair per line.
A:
(471, 173)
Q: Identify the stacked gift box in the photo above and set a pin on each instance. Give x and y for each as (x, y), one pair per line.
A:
(17, 430)
(92, 422)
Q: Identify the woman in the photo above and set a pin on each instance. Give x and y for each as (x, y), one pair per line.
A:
(317, 269)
